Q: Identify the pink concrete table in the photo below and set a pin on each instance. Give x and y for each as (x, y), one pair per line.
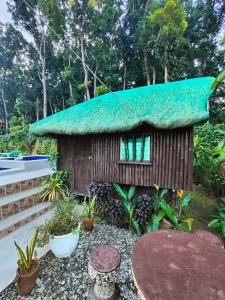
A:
(171, 265)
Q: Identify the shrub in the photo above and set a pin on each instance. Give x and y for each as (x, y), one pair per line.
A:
(210, 135)
(103, 194)
(116, 213)
(209, 154)
(20, 139)
(143, 209)
(63, 221)
(218, 221)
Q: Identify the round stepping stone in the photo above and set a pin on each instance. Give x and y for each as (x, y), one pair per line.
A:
(103, 264)
(169, 265)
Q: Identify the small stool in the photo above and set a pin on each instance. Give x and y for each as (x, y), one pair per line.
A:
(102, 268)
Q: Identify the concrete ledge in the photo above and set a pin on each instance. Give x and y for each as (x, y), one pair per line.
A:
(14, 178)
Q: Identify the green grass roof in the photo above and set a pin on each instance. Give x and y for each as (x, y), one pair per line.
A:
(169, 105)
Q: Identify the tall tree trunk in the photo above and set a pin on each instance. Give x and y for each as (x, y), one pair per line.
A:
(5, 111)
(204, 66)
(124, 77)
(166, 76)
(50, 103)
(41, 52)
(63, 100)
(95, 80)
(110, 64)
(71, 89)
(84, 66)
(153, 75)
(45, 103)
(146, 67)
(70, 83)
(37, 109)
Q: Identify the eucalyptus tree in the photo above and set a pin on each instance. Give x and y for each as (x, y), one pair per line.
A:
(206, 20)
(28, 15)
(105, 50)
(169, 24)
(12, 45)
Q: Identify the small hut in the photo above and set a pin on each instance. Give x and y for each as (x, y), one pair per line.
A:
(141, 136)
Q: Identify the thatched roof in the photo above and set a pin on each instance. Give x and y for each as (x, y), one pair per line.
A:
(169, 105)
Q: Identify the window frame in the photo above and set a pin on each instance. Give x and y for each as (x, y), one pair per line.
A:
(134, 136)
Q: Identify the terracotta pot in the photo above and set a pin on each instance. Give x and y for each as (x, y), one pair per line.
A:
(88, 224)
(26, 282)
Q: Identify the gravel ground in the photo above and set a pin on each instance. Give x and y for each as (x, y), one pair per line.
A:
(68, 279)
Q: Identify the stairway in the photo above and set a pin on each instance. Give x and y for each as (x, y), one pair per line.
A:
(20, 201)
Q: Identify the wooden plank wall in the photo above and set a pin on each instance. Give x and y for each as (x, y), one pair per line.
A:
(171, 163)
(75, 157)
(96, 157)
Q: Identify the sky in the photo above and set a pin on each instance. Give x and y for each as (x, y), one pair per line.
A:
(5, 16)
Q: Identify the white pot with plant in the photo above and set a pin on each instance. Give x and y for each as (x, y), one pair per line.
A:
(62, 230)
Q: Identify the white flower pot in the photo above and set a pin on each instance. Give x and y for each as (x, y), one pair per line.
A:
(64, 245)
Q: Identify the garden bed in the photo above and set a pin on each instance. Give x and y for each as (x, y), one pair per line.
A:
(69, 279)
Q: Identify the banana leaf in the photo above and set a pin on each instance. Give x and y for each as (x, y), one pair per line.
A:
(122, 193)
(131, 192)
(169, 212)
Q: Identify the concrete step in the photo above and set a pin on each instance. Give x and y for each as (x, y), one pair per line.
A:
(8, 255)
(19, 219)
(17, 202)
(16, 183)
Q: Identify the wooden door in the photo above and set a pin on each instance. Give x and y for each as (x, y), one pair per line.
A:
(82, 164)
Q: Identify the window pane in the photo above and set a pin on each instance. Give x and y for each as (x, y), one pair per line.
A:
(147, 148)
(122, 149)
(130, 148)
(138, 148)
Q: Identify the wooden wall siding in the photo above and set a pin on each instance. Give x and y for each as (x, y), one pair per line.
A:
(171, 160)
(96, 157)
(75, 157)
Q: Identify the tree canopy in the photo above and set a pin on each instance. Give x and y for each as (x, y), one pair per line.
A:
(80, 49)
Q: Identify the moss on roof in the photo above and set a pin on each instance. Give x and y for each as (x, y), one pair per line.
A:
(167, 106)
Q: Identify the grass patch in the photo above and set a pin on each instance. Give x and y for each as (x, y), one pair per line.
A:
(202, 206)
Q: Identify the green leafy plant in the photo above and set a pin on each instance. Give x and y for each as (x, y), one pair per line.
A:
(219, 79)
(183, 201)
(129, 202)
(101, 90)
(209, 154)
(88, 206)
(53, 160)
(163, 210)
(189, 222)
(218, 221)
(25, 261)
(55, 186)
(64, 220)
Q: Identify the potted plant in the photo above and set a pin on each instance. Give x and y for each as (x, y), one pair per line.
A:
(27, 269)
(61, 230)
(88, 217)
(54, 186)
